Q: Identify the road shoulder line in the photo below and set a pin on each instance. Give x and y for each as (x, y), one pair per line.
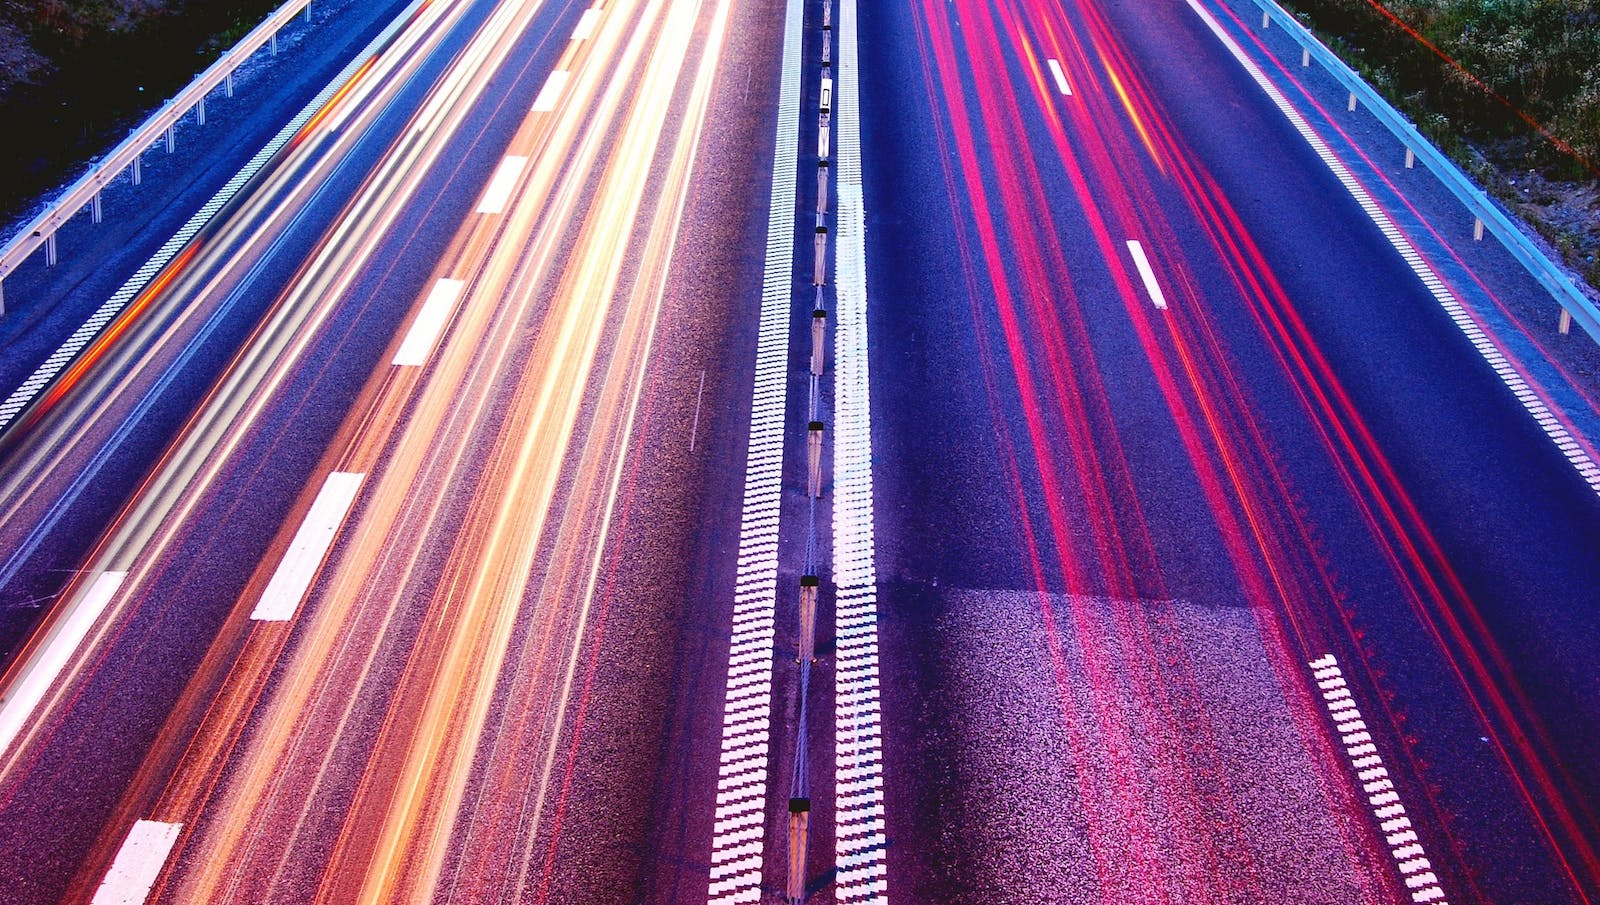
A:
(738, 834)
(858, 736)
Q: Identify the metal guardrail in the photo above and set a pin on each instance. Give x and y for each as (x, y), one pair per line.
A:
(1536, 262)
(86, 191)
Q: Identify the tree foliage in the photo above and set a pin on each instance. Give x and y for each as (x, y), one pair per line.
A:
(1496, 61)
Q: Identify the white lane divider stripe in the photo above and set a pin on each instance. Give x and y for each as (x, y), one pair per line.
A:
(1061, 77)
(1147, 274)
(859, 837)
(424, 332)
(292, 579)
(551, 92)
(1382, 797)
(138, 863)
(44, 667)
(501, 184)
(586, 24)
(739, 833)
(1503, 368)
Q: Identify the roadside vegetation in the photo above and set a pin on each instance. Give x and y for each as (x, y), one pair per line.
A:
(76, 75)
(1509, 88)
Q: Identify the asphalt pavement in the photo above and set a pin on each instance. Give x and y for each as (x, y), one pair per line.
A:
(1206, 556)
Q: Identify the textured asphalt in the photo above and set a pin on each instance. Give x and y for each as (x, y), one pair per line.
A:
(1511, 517)
(1026, 714)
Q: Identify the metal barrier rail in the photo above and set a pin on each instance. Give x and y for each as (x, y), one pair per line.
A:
(86, 191)
(1573, 302)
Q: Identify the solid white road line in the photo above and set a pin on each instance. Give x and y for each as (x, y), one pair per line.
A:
(586, 24)
(500, 186)
(551, 92)
(859, 836)
(138, 863)
(1376, 786)
(739, 831)
(1146, 274)
(311, 543)
(44, 668)
(1531, 401)
(1061, 77)
(424, 332)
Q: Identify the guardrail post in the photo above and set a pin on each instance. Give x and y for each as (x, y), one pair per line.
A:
(94, 208)
(1477, 228)
(308, 12)
(1411, 158)
(138, 170)
(1266, 19)
(809, 586)
(799, 820)
(822, 186)
(814, 459)
(819, 326)
(2, 298)
(1566, 322)
(172, 138)
(1352, 106)
(200, 112)
(820, 262)
(274, 43)
(50, 250)
(1305, 57)
(227, 83)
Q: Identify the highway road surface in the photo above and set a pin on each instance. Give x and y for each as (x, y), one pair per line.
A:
(801, 450)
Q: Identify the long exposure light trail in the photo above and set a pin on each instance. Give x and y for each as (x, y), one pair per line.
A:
(466, 444)
(1263, 529)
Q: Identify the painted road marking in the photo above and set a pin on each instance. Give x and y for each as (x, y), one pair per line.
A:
(44, 668)
(738, 834)
(138, 863)
(586, 25)
(1146, 274)
(424, 332)
(1531, 401)
(859, 838)
(1061, 77)
(1382, 797)
(500, 186)
(551, 92)
(311, 543)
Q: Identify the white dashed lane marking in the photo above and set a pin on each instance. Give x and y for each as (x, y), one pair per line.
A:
(586, 24)
(44, 668)
(550, 94)
(1060, 77)
(1146, 274)
(424, 332)
(138, 863)
(292, 579)
(501, 184)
